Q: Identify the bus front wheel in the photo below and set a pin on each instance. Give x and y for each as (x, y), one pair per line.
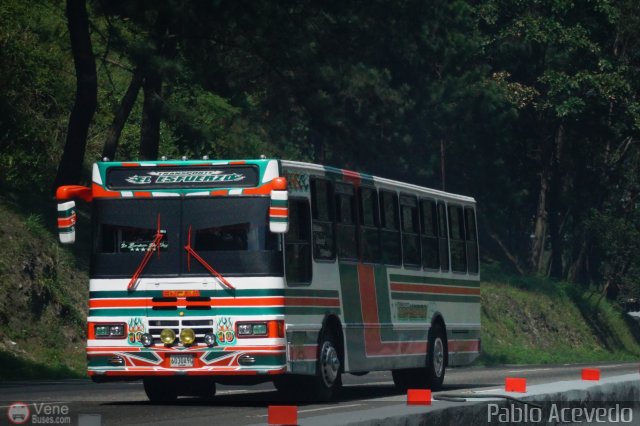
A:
(328, 378)
(159, 390)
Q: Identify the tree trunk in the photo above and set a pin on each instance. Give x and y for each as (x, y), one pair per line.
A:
(540, 223)
(124, 110)
(70, 168)
(556, 269)
(151, 114)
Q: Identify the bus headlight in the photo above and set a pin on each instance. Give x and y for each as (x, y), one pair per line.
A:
(210, 339)
(168, 336)
(187, 336)
(146, 339)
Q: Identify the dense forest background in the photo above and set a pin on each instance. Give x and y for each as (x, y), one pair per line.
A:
(531, 106)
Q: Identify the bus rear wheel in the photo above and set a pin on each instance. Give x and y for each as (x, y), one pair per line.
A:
(436, 357)
(432, 375)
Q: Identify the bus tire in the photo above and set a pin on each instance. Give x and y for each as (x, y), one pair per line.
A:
(436, 357)
(159, 389)
(327, 380)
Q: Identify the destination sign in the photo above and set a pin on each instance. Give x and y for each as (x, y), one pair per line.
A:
(143, 178)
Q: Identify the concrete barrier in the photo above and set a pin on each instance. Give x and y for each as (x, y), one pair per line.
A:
(623, 389)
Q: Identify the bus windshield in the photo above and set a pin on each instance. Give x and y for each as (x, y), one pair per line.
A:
(230, 234)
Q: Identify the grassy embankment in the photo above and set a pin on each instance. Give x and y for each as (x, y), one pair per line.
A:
(43, 295)
(43, 299)
(527, 320)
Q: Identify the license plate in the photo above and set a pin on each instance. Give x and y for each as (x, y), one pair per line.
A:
(181, 360)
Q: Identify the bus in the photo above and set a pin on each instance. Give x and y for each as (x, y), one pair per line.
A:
(246, 271)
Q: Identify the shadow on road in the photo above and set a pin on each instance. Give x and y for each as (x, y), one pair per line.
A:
(264, 398)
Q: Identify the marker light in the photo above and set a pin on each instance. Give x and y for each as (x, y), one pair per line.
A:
(146, 339)
(109, 331)
(187, 336)
(168, 336)
(210, 339)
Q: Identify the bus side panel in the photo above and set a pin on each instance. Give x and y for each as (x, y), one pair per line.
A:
(388, 314)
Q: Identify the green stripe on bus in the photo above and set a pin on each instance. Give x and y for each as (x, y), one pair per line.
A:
(303, 292)
(435, 297)
(204, 293)
(187, 312)
(432, 280)
(278, 219)
(350, 292)
(65, 213)
(270, 360)
(310, 310)
(279, 203)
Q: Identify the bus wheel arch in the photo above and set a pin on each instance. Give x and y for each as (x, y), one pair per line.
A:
(332, 324)
(439, 320)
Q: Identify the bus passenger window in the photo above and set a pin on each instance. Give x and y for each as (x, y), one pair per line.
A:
(410, 231)
(369, 231)
(443, 237)
(390, 232)
(430, 251)
(472, 239)
(346, 222)
(298, 244)
(456, 233)
(322, 209)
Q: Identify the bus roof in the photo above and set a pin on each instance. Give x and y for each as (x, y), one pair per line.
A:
(362, 178)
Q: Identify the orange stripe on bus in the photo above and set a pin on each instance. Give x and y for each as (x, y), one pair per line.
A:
(116, 303)
(422, 288)
(261, 190)
(142, 194)
(130, 164)
(278, 211)
(65, 222)
(99, 192)
(463, 345)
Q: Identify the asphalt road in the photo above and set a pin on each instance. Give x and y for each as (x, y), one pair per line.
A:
(126, 403)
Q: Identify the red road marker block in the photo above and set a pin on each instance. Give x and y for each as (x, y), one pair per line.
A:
(283, 415)
(419, 397)
(590, 374)
(515, 384)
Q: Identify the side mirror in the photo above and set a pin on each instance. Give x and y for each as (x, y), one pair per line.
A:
(67, 210)
(279, 207)
(67, 222)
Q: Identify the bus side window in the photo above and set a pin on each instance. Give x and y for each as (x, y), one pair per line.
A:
(390, 232)
(458, 244)
(324, 247)
(346, 222)
(298, 243)
(443, 237)
(472, 239)
(369, 233)
(410, 231)
(430, 250)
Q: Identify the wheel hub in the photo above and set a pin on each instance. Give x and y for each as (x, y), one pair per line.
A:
(438, 356)
(329, 364)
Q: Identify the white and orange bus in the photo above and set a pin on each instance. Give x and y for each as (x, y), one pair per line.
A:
(206, 272)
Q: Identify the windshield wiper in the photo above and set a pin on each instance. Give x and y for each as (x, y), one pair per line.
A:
(192, 252)
(154, 246)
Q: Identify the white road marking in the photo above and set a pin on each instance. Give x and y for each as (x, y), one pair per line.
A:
(529, 369)
(316, 409)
